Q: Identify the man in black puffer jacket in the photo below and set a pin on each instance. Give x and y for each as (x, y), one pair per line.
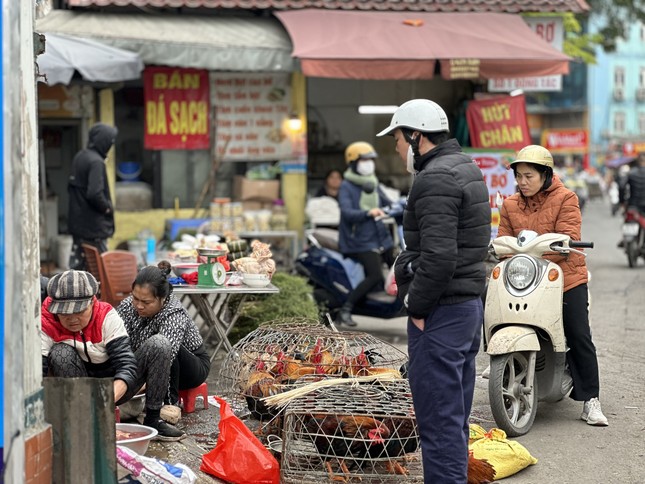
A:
(91, 216)
(440, 277)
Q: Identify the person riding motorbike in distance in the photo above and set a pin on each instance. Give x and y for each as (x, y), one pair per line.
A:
(544, 205)
(362, 234)
(632, 190)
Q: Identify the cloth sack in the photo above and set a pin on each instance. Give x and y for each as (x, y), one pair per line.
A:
(507, 457)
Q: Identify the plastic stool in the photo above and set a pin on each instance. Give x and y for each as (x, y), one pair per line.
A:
(188, 397)
(117, 414)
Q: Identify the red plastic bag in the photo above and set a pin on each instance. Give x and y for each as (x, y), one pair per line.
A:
(239, 457)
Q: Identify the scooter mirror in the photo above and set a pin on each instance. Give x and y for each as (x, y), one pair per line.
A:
(526, 236)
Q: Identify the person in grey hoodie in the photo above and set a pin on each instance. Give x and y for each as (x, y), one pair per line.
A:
(91, 214)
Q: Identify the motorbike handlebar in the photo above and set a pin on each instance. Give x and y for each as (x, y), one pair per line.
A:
(581, 245)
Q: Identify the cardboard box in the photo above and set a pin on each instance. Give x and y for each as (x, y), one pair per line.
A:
(245, 189)
(250, 205)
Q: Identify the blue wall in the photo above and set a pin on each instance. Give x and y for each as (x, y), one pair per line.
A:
(630, 54)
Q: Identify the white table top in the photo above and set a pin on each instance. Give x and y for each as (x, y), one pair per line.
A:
(243, 289)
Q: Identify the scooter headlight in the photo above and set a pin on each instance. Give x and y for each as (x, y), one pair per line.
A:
(520, 272)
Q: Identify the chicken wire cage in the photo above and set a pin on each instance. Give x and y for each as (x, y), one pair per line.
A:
(279, 357)
(365, 432)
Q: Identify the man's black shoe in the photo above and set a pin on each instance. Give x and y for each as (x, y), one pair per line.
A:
(345, 317)
(165, 431)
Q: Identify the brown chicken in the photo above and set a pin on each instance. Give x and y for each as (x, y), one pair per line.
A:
(480, 471)
(344, 437)
(261, 383)
(404, 439)
(322, 359)
(288, 369)
(361, 365)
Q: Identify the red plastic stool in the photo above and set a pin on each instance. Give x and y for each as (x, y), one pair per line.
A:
(117, 414)
(188, 397)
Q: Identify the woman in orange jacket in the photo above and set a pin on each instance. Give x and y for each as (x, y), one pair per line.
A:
(544, 205)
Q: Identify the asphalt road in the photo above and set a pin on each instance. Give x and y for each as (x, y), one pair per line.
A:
(568, 450)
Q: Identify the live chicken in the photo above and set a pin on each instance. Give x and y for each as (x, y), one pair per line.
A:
(344, 437)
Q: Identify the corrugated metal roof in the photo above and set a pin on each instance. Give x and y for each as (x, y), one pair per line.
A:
(503, 6)
(200, 41)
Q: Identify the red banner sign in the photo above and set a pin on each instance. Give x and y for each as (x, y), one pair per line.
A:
(565, 140)
(633, 148)
(176, 109)
(498, 123)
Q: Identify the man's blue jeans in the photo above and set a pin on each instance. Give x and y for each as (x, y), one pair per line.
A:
(442, 379)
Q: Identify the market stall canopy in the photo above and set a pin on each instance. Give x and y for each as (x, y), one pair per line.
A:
(94, 61)
(203, 42)
(406, 45)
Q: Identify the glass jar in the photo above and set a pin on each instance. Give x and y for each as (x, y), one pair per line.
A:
(279, 218)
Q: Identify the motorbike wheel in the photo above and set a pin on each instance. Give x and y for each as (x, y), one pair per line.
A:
(632, 253)
(514, 406)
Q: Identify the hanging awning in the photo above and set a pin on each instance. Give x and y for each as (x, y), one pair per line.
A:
(406, 45)
(94, 61)
(202, 42)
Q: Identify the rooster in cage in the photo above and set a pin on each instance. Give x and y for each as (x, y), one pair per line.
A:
(344, 437)
(403, 440)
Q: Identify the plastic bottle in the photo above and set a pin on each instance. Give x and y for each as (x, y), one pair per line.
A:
(151, 245)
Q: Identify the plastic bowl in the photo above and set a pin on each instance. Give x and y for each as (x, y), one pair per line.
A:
(185, 268)
(256, 280)
(138, 444)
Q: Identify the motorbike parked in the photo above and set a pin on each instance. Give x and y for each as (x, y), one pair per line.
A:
(333, 276)
(523, 328)
(634, 235)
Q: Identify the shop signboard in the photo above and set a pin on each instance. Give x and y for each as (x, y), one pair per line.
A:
(551, 30)
(177, 109)
(498, 122)
(64, 101)
(565, 141)
(251, 116)
(498, 177)
(633, 148)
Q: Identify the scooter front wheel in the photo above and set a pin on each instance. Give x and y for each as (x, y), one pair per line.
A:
(513, 399)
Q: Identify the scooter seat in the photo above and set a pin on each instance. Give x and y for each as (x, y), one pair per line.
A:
(327, 238)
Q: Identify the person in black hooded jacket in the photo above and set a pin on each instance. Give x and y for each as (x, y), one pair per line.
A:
(91, 215)
(440, 277)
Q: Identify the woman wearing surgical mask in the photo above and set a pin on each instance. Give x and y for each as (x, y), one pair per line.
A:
(362, 234)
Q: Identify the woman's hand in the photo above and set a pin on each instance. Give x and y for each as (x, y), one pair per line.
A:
(120, 388)
(376, 212)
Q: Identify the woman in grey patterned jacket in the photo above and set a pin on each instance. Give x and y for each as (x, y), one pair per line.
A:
(161, 331)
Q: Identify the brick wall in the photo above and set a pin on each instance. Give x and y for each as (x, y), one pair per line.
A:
(38, 457)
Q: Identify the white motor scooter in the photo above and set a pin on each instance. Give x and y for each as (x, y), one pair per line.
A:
(523, 328)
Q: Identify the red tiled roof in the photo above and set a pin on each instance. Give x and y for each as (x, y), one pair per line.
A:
(503, 6)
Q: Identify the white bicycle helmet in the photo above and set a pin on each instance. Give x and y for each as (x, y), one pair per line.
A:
(418, 115)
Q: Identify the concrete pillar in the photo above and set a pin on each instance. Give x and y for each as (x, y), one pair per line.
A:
(81, 411)
(294, 181)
